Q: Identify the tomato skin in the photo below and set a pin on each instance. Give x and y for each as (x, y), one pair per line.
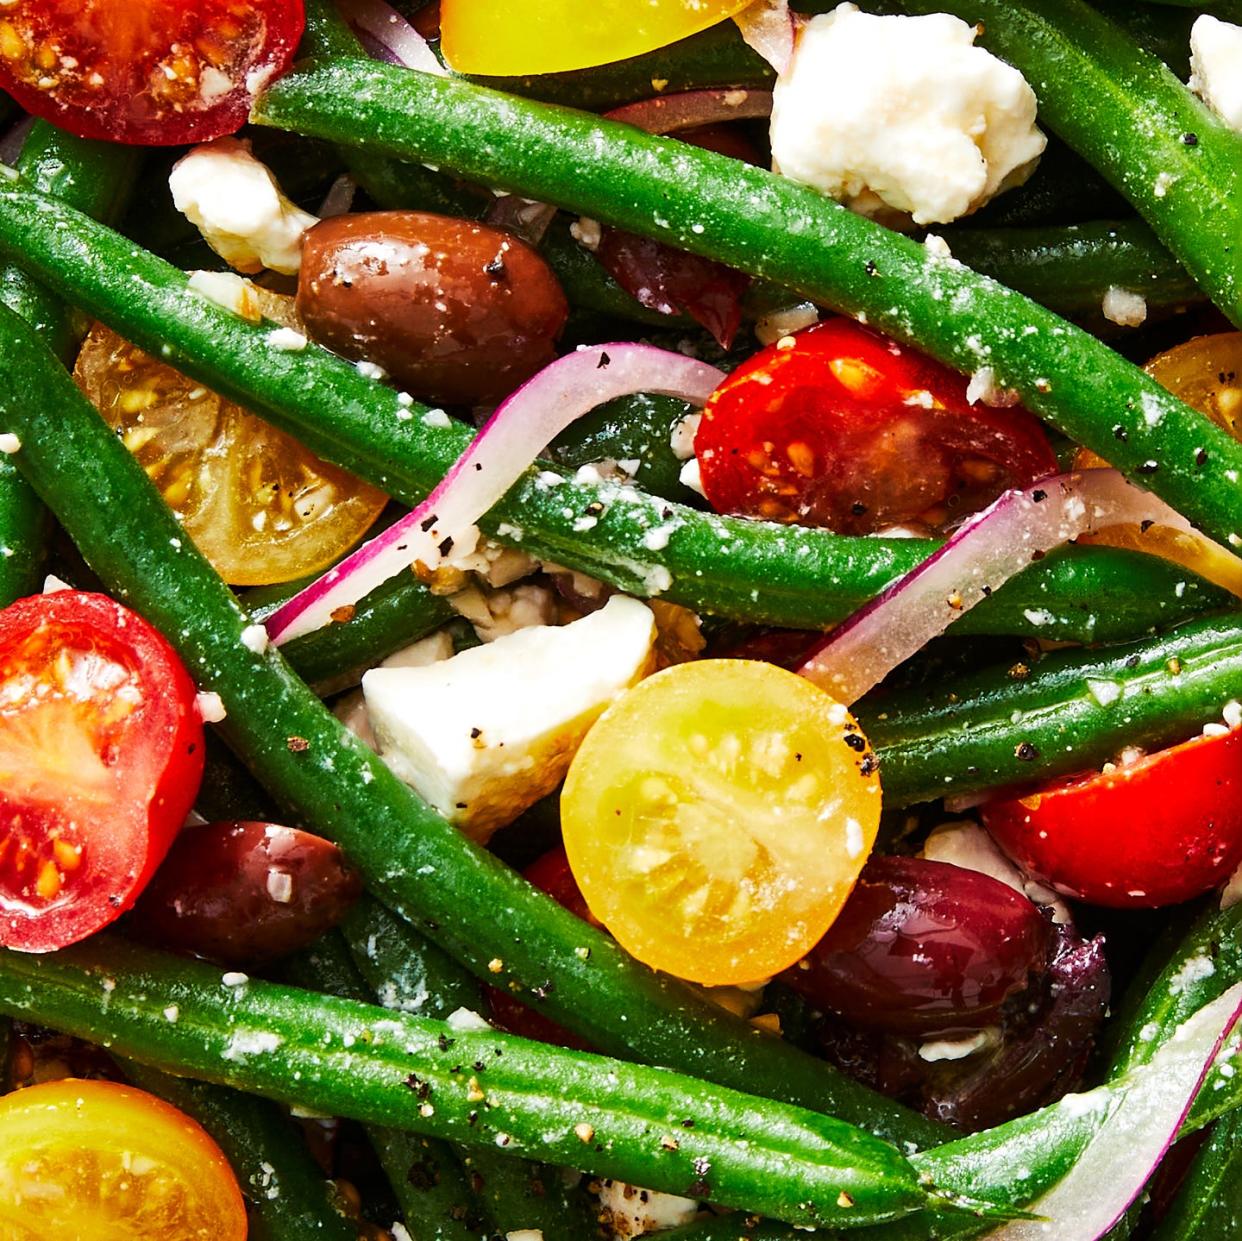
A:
(145, 72)
(147, 761)
(1157, 832)
(840, 427)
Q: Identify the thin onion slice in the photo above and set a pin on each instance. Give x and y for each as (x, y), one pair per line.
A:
(388, 36)
(666, 114)
(984, 553)
(1145, 1112)
(770, 29)
(339, 200)
(522, 426)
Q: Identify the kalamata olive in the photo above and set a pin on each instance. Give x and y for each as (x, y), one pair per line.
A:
(924, 947)
(454, 311)
(245, 893)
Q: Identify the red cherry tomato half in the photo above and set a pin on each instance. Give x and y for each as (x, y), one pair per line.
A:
(101, 754)
(843, 428)
(1159, 831)
(152, 72)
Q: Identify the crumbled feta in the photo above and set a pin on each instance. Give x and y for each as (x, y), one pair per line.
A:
(691, 476)
(1216, 67)
(499, 613)
(287, 340)
(210, 707)
(484, 735)
(525, 1234)
(633, 1212)
(985, 387)
(254, 638)
(9, 443)
(229, 291)
(770, 328)
(236, 204)
(681, 441)
(466, 1019)
(586, 232)
(1123, 307)
(53, 584)
(903, 113)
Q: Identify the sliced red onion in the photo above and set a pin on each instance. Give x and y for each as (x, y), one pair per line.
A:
(388, 36)
(1145, 1112)
(523, 217)
(984, 553)
(522, 426)
(666, 114)
(770, 29)
(339, 200)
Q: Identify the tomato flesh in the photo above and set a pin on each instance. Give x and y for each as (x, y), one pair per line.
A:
(840, 427)
(1155, 832)
(89, 1159)
(716, 817)
(101, 754)
(152, 72)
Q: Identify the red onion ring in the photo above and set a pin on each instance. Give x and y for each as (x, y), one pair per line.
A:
(390, 35)
(769, 28)
(666, 114)
(522, 426)
(1140, 1126)
(985, 552)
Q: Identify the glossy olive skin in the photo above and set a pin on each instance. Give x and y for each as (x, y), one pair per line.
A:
(456, 312)
(924, 947)
(244, 893)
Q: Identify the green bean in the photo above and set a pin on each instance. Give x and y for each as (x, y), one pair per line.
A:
(470, 903)
(411, 975)
(1071, 711)
(343, 1058)
(1123, 110)
(768, 226)
(286, 1195)
(1208, 1206)
(435, 1197)
(94, 178)
(783, 575)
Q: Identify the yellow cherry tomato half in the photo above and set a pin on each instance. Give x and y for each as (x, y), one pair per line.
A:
(514, 37)
(257, 504)
(1205, 372)
(91, 1159)
(717, 816)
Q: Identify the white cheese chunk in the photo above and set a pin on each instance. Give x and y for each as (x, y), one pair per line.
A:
(236, 204)
(484, 735)
(904, 114)
(1124, 307)
(633, 1212)
(1216, 67)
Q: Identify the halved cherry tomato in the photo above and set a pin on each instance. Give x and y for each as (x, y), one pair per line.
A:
(547, 36)
(717, 816)
(101, 754)
(1154, 832)
(152, 72)
(257, 504)
(841, 427)
(91, 1159)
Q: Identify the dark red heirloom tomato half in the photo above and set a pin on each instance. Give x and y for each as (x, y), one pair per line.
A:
(101, 754)
(153, 72)
(1156, 832)
(245, 893)
(843, 428)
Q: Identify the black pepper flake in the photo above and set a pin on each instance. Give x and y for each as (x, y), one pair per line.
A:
(1120, 433)
(870, 267)
(473, 1118)
(1039, 496)
(428, 522)
(1025, 752)
(544, 990)
(423, 1174)
(1149, 467)
(869, 765)
(446, 545)
(701, 1165)
(444, 1042)
(687, 1124)
(604, 360)
(1190, 140)
(420, 1088)
(1132, 661)
(699, 1189)
(855, 742)
(1145, 525)
(1201, 457)
(478, 465)
(475, 734)
(858, 508)
(496, 268)
(478, 1066)
(986, 591)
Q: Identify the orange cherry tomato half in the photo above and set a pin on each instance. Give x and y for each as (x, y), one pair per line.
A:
(717, 816)
(92, 1159)
(1154, 832)
(101, 755)
(547, 36)
(840, 427)
(151, 72)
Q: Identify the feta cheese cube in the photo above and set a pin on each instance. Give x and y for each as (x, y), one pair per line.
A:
(483, 735)
(1216, 67)
(902, 114)
(236, 204)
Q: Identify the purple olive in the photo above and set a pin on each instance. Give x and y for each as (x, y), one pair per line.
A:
(925, 947)
(455, 311)
(245, 893)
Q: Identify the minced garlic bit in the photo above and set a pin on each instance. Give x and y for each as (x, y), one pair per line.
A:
(254, 638)
(287, 340)
(210, 707)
